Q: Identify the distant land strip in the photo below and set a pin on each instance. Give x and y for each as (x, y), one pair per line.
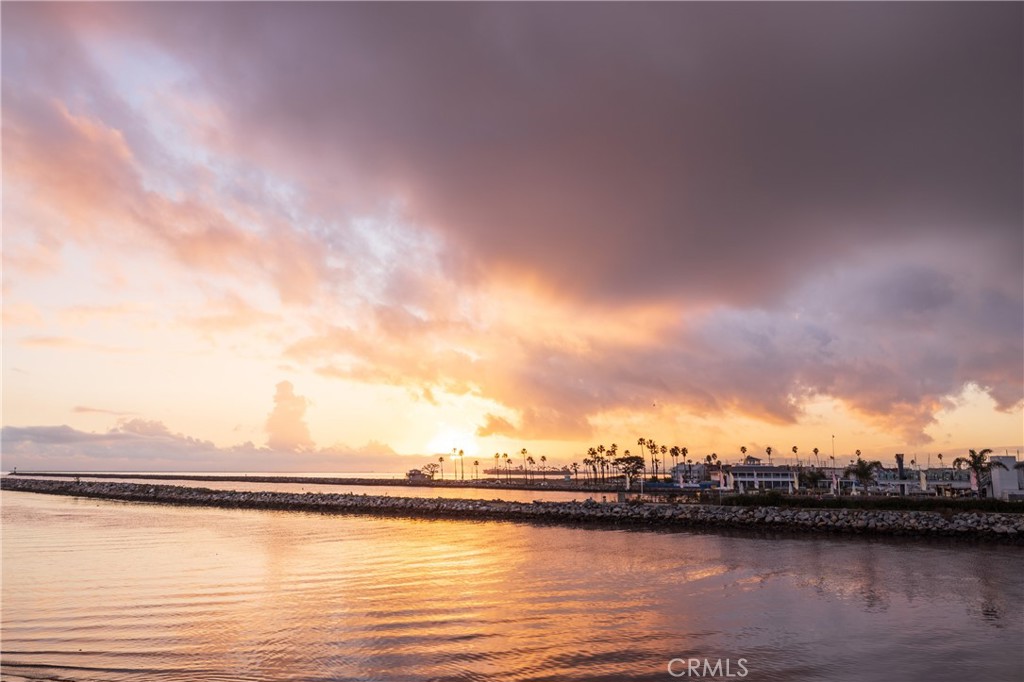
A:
(924, 524)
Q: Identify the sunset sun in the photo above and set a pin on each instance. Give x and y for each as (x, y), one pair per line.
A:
(450, 438)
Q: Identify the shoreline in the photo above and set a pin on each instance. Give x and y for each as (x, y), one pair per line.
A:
(965, 525)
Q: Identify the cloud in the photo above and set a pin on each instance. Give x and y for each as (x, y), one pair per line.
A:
(21, 315)
(85, 409)
(285, 426)
(73, 344)
(146, 445)
(698, 150)
(143, 427)
(228, 314)
(85, 176)
(495, 426)
(566, 210)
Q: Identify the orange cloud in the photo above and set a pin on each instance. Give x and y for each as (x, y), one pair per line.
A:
(84, 172)
(227, 314)
(73, 344)
(286, 427)
(561, 270)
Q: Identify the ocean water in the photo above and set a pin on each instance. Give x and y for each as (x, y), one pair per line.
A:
(101, 590)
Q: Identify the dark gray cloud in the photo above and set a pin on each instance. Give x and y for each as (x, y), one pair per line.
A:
(836, 186)
(714, 151)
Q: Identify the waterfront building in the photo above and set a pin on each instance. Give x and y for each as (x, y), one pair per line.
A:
(943, 481)
(1006, 483)
(417, 475)
(745, 477)
(684, 473)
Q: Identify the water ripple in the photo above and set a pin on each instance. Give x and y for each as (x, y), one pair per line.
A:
(117, 592)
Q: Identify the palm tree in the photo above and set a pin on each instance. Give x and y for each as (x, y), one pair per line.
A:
(575, 470)
(815, 451)
(978, 462)
(476, 469)
(674, 454)
(523, 453)
(864, 471)
(508, 471)
(440, 460)
(794, 454)
(462, 460)
(940, 460)
(651, 448)
(768, 451)
(530, 461)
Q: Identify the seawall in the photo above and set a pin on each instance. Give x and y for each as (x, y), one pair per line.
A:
(967, 525)
(477, 484)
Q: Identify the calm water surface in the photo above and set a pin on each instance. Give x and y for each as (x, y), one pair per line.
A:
(100, 590)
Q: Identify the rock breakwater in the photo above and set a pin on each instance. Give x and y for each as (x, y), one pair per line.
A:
(968, 525)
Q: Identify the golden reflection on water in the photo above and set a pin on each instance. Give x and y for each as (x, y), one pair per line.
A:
(119, 591)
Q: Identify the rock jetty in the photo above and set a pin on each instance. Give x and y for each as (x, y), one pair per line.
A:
(481, 484)
(967, 525)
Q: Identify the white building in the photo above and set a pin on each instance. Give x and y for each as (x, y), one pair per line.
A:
(1005, 484)
(746, 477)
(684, 473)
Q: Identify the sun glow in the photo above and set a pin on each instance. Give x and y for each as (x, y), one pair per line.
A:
(449, 438)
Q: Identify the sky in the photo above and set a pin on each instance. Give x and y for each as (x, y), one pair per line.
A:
(344, 236)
